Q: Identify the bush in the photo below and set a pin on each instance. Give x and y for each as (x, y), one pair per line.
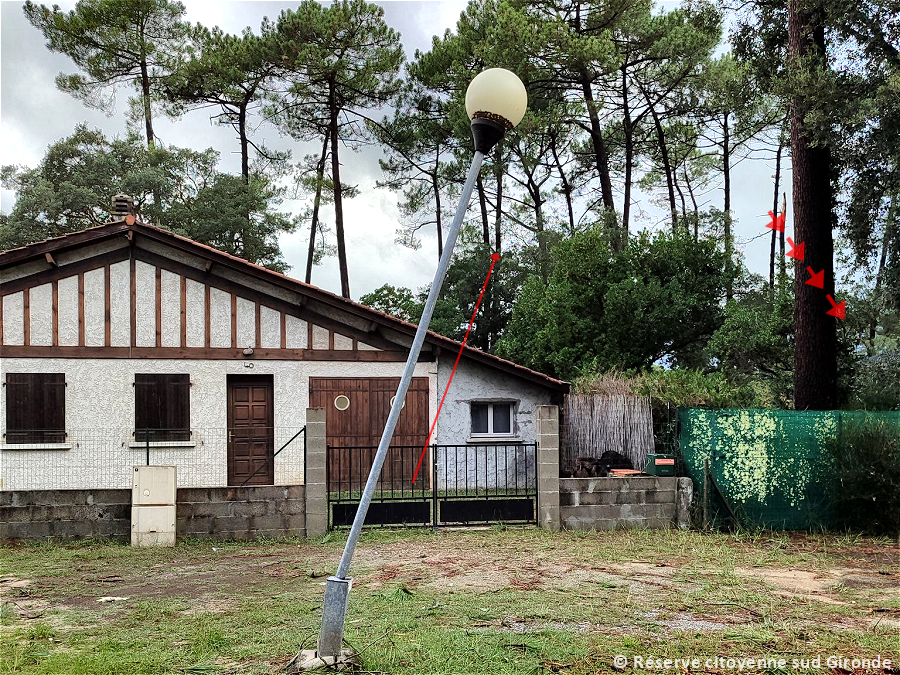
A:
(866, 456)
(694, 388)
(876, 383)
(680, 387)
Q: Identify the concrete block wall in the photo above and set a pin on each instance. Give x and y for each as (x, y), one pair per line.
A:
(209, 513)
(65, 514)
(611, 503)
(241, 512)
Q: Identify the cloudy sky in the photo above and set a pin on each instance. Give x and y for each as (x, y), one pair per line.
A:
(34, 114)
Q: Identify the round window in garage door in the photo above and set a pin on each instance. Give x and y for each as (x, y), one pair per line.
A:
(341, 402)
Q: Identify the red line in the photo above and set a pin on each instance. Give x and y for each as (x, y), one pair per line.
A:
(453, 372)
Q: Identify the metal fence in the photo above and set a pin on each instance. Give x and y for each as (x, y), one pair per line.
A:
(103, 458)
(768, 468)
(459, 484)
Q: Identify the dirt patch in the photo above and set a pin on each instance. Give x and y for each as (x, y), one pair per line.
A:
(480, 581)
(823, 586)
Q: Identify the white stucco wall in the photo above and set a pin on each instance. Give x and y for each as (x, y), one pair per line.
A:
(170, 287)
(246, 323)
(100, 419)
(480, 464)
(145, 304)
(68, 311)
(41, 307)
(94, 308)
(475, 382)
(220, 318)
(297, 332)
(195, 319)
(120, 304)
(270, 327)
(13, 321)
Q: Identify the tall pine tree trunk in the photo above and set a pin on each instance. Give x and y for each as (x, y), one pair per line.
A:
(245, 149)
(628, 131)
(338, 203)
(436, 188)
(145, 98)
(482, 201)
(775, 211)
(696, 217)
(566, 189)
(815, 339)
(726, 175)
(667, 165)
(498, 176)
(317, 201)
(879, 275)
(601, 155)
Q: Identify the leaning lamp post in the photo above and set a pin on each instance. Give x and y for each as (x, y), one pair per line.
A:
(495, 102)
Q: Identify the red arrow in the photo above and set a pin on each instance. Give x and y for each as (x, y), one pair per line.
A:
(837, 309)
(777, 222)
(796, 251)
(817, 279)
(494, 258)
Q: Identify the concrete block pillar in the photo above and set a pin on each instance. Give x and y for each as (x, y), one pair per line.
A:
(548, 466)
(316, 485)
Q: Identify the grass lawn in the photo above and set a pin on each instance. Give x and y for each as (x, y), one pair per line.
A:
(476, 601)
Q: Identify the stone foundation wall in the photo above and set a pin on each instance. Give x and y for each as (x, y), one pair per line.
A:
(65, 514)
(241, 513)
(211, 513)
(611, 503)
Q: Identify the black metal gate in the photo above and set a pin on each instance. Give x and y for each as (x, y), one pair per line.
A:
(457, 485)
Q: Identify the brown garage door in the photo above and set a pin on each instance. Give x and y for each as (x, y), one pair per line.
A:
(361, 424)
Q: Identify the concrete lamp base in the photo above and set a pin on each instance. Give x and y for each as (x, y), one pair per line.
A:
(309, 660)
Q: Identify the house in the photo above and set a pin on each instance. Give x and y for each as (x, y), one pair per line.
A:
(126, 344)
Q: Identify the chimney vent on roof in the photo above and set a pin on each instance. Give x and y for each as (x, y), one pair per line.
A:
(122, 206)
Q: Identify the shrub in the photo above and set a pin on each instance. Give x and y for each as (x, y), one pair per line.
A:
(876, 383)
(866, 492)
(679, 387)
(693, 388)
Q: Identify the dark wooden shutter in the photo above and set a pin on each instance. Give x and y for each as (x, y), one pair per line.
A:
(35, 407)
(162, 407)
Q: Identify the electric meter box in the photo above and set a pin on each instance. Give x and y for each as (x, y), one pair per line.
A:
(153, 525)
(660, 465)
(153, 486)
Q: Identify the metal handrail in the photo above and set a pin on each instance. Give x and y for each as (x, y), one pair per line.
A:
(302, 431)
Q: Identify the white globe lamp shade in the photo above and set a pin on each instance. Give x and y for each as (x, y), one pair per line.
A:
(498, 94)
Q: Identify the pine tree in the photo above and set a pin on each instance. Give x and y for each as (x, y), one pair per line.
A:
(114, 42)
(340, 62)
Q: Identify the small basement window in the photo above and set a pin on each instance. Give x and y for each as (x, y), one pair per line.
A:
(162, 407)
(35, 408)
(492, 419)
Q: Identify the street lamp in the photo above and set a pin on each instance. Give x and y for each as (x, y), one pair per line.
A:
(495, 102)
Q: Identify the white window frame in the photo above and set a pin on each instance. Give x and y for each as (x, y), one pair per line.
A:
(510, 435)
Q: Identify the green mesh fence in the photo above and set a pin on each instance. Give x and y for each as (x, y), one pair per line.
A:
(768, 468)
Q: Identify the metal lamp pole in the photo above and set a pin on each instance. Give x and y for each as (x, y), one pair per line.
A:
(495, 101)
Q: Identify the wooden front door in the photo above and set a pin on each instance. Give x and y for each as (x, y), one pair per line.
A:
(251, 430)
(361, 424)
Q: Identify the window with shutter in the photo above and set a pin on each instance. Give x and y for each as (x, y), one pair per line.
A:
(35, 408)
(162, 407)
